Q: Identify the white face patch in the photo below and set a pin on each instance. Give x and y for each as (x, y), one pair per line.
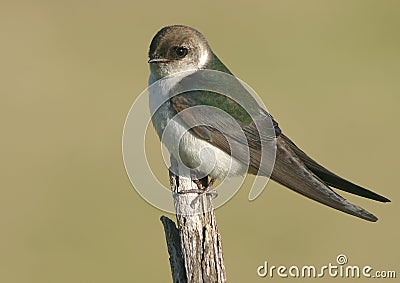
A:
(203, 58)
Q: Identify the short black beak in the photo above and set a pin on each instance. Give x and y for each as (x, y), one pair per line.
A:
(157, 60)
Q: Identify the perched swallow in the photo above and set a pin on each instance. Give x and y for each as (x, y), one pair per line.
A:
(180, 48)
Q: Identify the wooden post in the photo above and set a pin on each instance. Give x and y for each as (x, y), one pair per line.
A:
(199, 241)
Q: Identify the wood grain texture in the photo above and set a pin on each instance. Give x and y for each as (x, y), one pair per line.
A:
(200, 242)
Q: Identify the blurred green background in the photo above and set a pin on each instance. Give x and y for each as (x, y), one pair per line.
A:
(329, 72)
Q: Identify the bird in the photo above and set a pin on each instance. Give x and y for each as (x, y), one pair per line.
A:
(179, 49)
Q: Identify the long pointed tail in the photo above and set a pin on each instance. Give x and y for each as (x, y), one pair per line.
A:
(290, 171)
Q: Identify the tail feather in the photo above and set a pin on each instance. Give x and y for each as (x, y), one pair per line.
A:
(290, 171)
(331, 179)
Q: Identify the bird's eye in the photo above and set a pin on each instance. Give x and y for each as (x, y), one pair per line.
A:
(181, 51)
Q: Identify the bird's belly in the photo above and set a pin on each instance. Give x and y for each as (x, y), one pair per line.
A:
(192, 151)
(199, 154)
(208, 159)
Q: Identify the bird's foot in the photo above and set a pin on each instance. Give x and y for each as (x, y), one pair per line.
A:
(201, 190)
(208, 189)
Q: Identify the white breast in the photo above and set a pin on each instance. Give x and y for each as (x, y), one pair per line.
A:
(183, 144)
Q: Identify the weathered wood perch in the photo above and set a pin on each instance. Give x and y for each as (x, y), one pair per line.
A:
(194, 247)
